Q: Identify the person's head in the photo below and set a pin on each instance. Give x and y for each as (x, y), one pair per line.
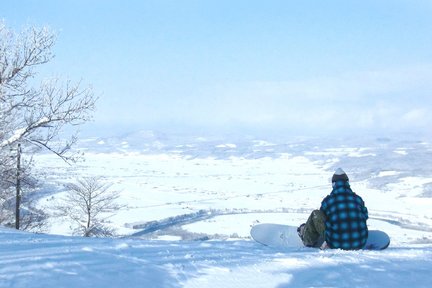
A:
(339, 175)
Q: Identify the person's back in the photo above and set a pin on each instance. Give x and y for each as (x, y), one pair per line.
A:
(341, 220)
(346, 217)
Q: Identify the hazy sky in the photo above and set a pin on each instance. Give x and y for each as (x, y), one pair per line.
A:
(286, 65)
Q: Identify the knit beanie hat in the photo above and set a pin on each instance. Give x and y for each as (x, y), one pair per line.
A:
(339, 175)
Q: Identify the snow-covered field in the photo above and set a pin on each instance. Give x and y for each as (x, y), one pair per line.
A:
(192, 200)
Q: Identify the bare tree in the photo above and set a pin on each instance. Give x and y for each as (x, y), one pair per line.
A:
(89, 203)
(35, 114)
(29, 217)
(32, 114)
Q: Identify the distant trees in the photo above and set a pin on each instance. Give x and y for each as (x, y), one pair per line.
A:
(89, 203)
(32, 114)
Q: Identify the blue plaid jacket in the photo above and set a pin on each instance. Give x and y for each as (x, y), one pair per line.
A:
(346, 216)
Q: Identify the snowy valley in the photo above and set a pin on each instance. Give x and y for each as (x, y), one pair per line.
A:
(191, 201)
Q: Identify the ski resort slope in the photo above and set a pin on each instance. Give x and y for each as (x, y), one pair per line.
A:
(37, 260)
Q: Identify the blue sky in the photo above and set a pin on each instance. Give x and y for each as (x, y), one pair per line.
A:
(284, 66)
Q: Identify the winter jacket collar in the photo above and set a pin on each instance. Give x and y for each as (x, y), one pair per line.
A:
(341, 187)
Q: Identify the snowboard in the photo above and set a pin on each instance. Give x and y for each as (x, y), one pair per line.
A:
(285, 236)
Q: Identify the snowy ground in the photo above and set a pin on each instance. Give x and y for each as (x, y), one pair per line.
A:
(183, 191)
(56, 261)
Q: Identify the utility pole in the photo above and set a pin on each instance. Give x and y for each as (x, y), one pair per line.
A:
(18, 188)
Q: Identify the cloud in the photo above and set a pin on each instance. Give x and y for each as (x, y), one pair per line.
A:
(387, 99)
(354, 86)
(356, 101)
(417, 117)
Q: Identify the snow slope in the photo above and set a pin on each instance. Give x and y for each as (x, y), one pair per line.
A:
(28, 260)
(191, 203)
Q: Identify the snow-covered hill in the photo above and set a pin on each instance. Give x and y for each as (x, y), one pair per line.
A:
(28, 260)
(192, 200)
